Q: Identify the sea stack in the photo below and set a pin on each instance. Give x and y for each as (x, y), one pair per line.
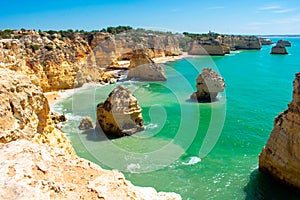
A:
(209, 83)
(120, 115)
(284, 43)
(278, 49)
(281, 156)
(143, 68)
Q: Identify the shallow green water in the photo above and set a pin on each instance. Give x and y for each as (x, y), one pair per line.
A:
(177, 152)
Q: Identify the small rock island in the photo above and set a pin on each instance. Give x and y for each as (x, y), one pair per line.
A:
(209, 83)
(280, 47)
(120, 115)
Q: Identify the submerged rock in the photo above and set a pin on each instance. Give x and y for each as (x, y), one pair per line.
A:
(209, 83)
(120, 114)
(281, 156)
(143, 68)
(279, 50)
(86, 123)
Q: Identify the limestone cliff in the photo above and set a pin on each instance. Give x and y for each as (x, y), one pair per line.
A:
(281, 156)
(209, 83)
(38, 161)
(64, 60)
(241, 42)
(200, 47)
(143, 68)
(265, 41)
(38, 171)
(120, 114)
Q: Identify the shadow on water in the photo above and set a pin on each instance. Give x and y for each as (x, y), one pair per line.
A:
(262, 186)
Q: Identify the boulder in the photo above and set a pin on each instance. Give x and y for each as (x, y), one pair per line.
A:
(120, 115)
(284, 43)
(209, 83)
(143, 68)
(58, 118)
(280, 158)
(279, 50)
(86, 123)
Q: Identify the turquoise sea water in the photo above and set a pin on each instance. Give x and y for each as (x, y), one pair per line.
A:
(201, 151)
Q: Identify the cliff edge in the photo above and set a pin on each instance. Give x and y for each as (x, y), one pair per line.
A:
(39, 162)
(281, 156)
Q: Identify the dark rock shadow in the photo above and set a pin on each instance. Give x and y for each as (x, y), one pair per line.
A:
(262, 186)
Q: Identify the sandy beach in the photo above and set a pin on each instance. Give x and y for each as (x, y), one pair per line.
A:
(56, 96)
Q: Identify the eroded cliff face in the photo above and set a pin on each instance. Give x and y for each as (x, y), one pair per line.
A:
(281, 156)
(38, 161)
(222, 44)
(56, 61)
(24, 112)
(241, 42)
(143, 68)
(38, 171)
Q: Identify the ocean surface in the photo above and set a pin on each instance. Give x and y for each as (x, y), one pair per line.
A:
(199, 150)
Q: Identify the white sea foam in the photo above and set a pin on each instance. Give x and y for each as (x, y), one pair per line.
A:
(193, 160)
(133, 167)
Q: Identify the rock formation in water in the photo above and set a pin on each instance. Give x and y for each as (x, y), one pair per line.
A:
(143, 68)
(278, 49)
(86, 123)
(284, 43)
(265, 41)
(39, 162)
(120, 114)
(281, 156)
(209, 83)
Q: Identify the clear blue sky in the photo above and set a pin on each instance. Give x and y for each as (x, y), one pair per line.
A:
(223, 16)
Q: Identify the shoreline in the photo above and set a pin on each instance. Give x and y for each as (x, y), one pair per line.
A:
(54, 97)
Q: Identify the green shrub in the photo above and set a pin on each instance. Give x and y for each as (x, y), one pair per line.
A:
(49, 47)
(34, 47)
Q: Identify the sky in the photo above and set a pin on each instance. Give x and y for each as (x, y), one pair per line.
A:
(197, 16)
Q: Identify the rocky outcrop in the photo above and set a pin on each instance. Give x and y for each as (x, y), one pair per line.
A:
(120, 114)
(281, 156)
(24, 108)
(209, 83)
(24, 112)
(265, 41)
(241, 42)
(38, 161)
(143, 68)
(65, 60)
(207, 47)
(284, 43)
(279, 50)
(38, 171)
(86, 123)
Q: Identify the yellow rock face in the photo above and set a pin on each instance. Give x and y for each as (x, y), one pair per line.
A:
(281, 156)
(120, 114)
